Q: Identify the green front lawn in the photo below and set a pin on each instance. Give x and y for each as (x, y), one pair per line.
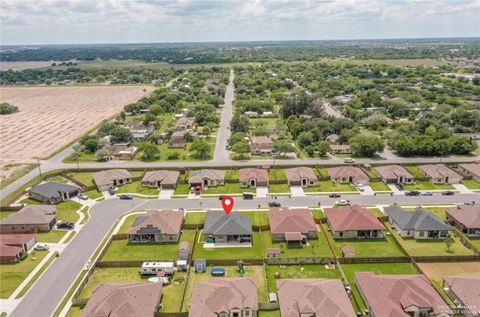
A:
(427, 185)
(278, 188)
(127, 223)
(366, 247)
(195, 217)
(75, 311)
(330, 187)
(121, 250)
(228, 188)
(93, 194)
(182, 189)
(12, 275)
(137, 188)
(30, 201)
(240, 253)
(53, 236)
(298, 271)
(315, 248)
(67, 211)
(379, 186)
(276, 174)
(471, 184)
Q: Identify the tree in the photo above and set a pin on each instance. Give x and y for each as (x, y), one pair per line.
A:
(150, 153)
(120, 135)
(91, 145)
(366, 145)
(239, 123)
(105, 128)
(323, 148)
(241, 148)
(6, 108)
(283, 146)
(149, 118)
(100, 154)
(156, 110)
(123, 115)
(237, 137)
(200, 148)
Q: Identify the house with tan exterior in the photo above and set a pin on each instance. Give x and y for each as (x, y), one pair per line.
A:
(53, 192)
(222, 229)
(161, 179)
(207, 178)
(394, 174)
(400, 295)
(156, 227)
(184, 123)
(14, 246)
(464, 292)
(301, 176)
(313, 297)
(292, 225)
(340, 149)
(253, 177)
(124, 300)
(261, 145)
(109, 179)
(466, 219)
(224, 297)
(353, 222)
(121, 151)
(419, 224)
(30, 219)
(440, 174)
(348, 174)
(471, 169)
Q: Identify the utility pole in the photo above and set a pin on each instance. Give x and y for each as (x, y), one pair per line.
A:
(39, 169)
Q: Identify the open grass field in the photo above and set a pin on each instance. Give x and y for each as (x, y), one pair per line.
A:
(231, 271)
(11, 172)
(121, 250)
(330, 187)
(11, 275)
(59, 114)
(4, 66)
(137, 188)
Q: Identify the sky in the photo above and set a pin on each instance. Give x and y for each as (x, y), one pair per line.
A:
(148, 21)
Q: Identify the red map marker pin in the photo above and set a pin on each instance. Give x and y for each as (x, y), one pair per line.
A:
(227, 204)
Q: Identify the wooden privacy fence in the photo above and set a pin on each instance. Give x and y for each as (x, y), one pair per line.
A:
(446, 258)
(268, 306)
(230, 262)
(396, 259)
(465, 241)
(293, 261)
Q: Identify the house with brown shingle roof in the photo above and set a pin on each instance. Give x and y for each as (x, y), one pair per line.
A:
(348, 174)
(121, 151)
(394, 174)
(400, 295)
(466, 218)
(30, 219)
(109, 179)
(464, 292)
(224, 297)
(124, 300)
(440, 174)
(14, 246)
(301, 176)
(340, 149)
(253, 177)
(161, 179)
(292, 223)
(207, 178)
(313, 297)
(471, 169)
(353, 222)
(261, 145)
(156, 227)
(184, 123)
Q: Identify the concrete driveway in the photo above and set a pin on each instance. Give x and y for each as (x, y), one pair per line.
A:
(262, 191)
(166, 193)
(297, 191)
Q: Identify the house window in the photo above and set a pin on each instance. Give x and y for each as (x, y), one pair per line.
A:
(246, 313)
(341, 234)
(235, 314)
(422, 233)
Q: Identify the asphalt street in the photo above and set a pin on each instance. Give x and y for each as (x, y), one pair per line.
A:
(223, 133)
(48, 291)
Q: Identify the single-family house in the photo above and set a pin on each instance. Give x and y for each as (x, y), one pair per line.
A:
(156, 227)
(293, 225)
(313, 297)
(30, 219)
(121, 151)
(177, 140)
(206, 178)
(301, 176)
(261, 145)
(340, 149)
(332, 138)
(139, 130)
(124, 300)
(440, 174)
(400, 295)
(224, 297)
(471, 169)
(253, 177)
(394, 174)
(184, 123)
(53, 192)
(14, 246)
(161, 179)
(419, 224)
(220, 228)
(109, 179)
(464, 292)
(348, 174)
(353, 222)
(466, 218)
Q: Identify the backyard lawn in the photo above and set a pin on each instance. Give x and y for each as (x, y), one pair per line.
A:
(83, 177)
(12, 275)
(298, 271)
(316, 248)
(240, 253)
(278, 188)
(195, 217)
(258, 218)
(317, 213)
(53, 236)
(67, 211)
(379, 186)
(268, 313)
(232, 174)
(471, 184)
(137, 188)
(228, 188)
(321, 171)
(182, 189)
(330, 187)
(427, 185)
(413, 169)
(366, 247)
(121, 250)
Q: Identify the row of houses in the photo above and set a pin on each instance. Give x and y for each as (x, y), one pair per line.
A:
(384, 295)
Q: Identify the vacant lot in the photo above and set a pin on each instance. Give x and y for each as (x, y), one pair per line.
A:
(52, 117)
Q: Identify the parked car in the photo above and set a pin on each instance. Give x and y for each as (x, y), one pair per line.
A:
(412, 193)
(399, 186)
(348, 160)
(41, 247)
(426, 193)
(221, 197)
(65, 225)
(360, 187)
(448, 193)
(334, 195)
(247, 195)
(126, 197)
(342, 202)
(82, 196)
(102, 159)
(274, 204)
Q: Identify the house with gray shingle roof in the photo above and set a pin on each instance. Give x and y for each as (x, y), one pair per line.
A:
(419, 224)
(53, 192)
(227, 229)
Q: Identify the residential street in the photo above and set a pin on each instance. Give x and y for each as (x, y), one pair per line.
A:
(221, 154)
(46, 294)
